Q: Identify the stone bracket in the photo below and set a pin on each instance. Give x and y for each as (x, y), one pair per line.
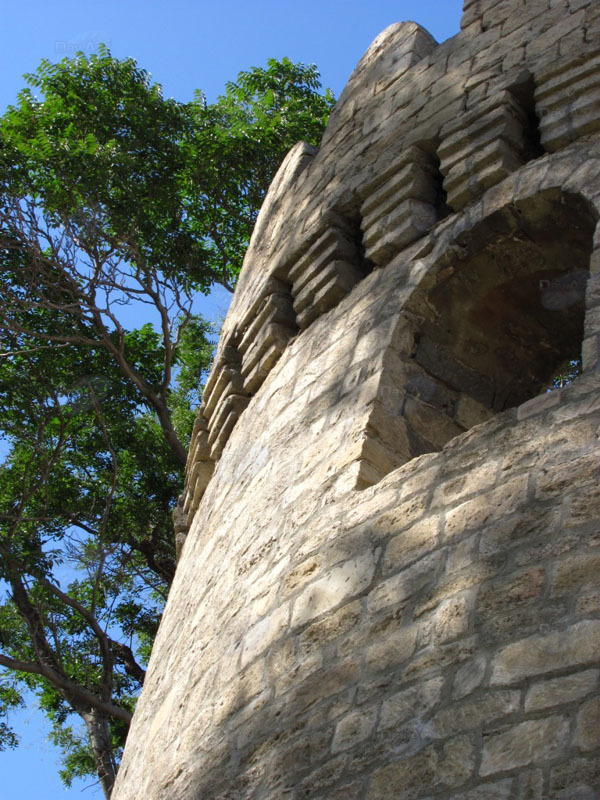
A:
(324, 275)
(568, 100)
(480, 150)
(399, 205)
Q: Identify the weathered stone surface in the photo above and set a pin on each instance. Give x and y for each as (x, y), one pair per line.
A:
(405, 584)
(557, 691)
(576, 646)
(577, 777)
(417, 701)
(415, 541)
(500, 790)
(345, 581)
(535, 740)
(469, 677)
(587, 735)
(353, 728)
(395, 649)
(457, 762)
(471, 714)
(407, 778)
(389, 581)
(320, 634)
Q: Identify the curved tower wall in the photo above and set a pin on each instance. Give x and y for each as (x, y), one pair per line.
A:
(388, 584)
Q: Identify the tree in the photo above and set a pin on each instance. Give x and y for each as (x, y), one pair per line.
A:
(111, 193)
(236, 146)
(113, 200)
(86, 549)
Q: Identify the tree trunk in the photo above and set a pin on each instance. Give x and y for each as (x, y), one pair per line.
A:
(99, 732)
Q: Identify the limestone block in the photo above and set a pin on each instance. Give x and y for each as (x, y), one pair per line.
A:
(401, 516)
(576, 646)
(532, 741)
(395, 51)
(199, 477)
(557, 691)
(406, 778)
(264, 353)
(325, 291)
(265, 338)
(433, 426)
(482, 149)
(451, 618)
(416, 541)
(395, 649)
(566, 35)
(405, 584)
(588, 604)
(499, 790)
(511, 592)
(301, 575)
(320, 634)
(338, 584)
(353, 728)
(324, 274)
(380, 456)
(469, 677)
(227, 414)
(321, 683)
(476, 713)
(457, 763)
(575, 777)
(474, 481)
(225, 372)
(469, 412)
(198, 441)
(261, 635)
(492, 505)
(399, 206)
(414, 702)
(590, 352)
(576, 573)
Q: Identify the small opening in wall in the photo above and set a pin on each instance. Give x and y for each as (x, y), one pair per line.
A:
(440, 201)
(524, 94)
(442, 208)
(367, 266)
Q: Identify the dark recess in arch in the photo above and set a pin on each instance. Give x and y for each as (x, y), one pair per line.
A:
(495, 321)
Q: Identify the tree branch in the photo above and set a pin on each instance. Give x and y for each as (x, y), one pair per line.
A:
(67, 687)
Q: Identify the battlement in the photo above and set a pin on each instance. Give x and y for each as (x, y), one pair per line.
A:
(421, 132)
(390, 585)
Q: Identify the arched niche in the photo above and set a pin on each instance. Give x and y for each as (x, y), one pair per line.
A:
(492, 322)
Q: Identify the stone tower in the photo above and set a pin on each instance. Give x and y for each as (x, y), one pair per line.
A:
(390, 585)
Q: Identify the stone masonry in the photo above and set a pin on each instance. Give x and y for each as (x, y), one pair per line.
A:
(389, 582)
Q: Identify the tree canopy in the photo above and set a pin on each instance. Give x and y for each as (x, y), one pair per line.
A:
(118, 208)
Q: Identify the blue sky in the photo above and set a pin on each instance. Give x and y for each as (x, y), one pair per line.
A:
(185, 45)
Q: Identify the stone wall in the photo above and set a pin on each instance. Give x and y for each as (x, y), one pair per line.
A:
(390, 585)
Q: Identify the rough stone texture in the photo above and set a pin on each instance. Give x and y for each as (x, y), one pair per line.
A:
(390, 586)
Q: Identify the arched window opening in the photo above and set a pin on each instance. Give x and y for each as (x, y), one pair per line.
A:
(495, 323)
(503, 316)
